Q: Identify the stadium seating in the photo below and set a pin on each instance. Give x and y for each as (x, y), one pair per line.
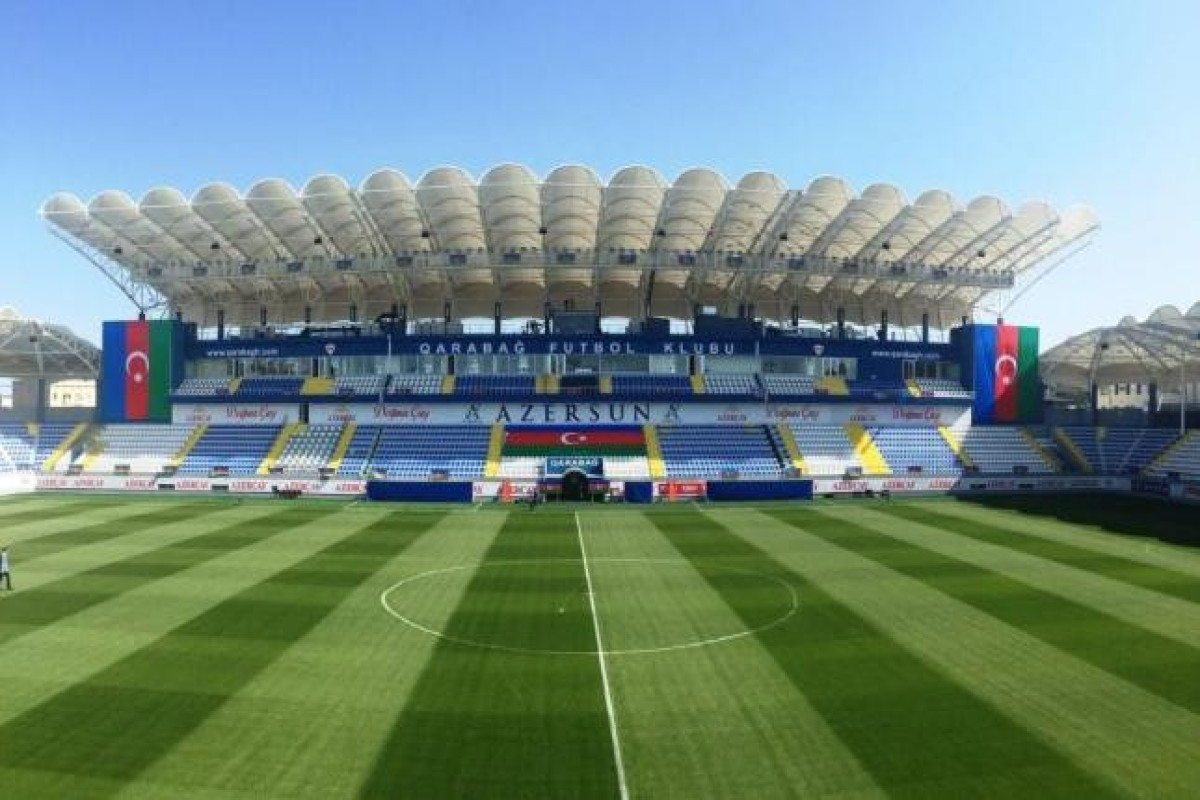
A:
(1001, 449)
(879, 390)
(1045, 440)
(270, 388)
(50, 436)
(732, 384)
(402, 385)
(1120, 451)
(359, 451)
(203, 387)
(1183, 458)
(360, 385)
(17, 446)
(309, 449)
(788, 385)
(942, 388)
(627, 467)
(826, 449)
(579, 385)
(415, 451)
(486, 386)
(140, 447)
(652, 386)
(915, 447)
(238, 448)
(712, 451)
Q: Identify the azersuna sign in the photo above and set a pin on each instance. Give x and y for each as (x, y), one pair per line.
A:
(633, 413)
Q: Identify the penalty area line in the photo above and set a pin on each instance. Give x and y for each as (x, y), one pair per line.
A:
(608, 701)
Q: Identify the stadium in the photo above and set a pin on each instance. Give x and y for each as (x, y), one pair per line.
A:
(558, 485)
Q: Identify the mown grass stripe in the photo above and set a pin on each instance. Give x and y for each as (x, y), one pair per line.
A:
(1152, 611)
(123, 718)
(1127, 515)
(1135, 544)
(51, 659)
(1156, 663)
(1158, 579)
(478, 719)
(11, 505)
(710, 721)
(878, 697)
(338, 690)
(31, 609)
(54, 511)
(1131, 739)
(53, 543)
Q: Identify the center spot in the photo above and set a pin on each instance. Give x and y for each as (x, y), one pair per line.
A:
(541, 606)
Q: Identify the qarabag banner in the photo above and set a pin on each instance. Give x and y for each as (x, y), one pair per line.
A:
(1005, 369)
(136, 375)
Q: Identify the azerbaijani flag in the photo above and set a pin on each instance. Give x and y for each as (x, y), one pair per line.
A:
(1006, 373)
(560, 441)
(136, 381)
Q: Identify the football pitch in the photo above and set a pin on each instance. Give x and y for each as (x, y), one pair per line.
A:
(173, 647)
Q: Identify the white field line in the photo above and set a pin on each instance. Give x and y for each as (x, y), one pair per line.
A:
(608, 701)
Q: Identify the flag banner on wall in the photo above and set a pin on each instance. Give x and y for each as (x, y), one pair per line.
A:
(571, 441)
(136, 380)
(1005, 364)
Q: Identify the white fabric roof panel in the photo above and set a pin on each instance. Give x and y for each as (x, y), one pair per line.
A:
(745, 212)
(1128, 352)
(515, 238)
(167, 208)
(338, 214)
(220, 205)
(572, 197)
(31, 348)
(276, 204)
(632, 202)
(391, 203)
(449, 200)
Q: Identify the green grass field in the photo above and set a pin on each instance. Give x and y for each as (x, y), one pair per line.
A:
(165, 648)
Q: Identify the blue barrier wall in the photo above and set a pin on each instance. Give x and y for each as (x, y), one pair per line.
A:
(420, 492)
(639, 492)
(758, 490)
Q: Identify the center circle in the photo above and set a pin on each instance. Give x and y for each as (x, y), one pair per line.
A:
(542, 606)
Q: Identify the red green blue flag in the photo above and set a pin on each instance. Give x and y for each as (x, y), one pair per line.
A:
(1005, 367)
(555, 441)
(136, 377)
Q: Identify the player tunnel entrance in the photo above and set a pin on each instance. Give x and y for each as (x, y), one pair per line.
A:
(575, 485)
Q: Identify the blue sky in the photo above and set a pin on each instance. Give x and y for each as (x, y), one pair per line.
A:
(1093, 102)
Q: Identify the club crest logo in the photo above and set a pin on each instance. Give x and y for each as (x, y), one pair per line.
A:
(330, 349)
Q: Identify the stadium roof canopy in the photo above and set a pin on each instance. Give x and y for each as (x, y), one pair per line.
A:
(1130, 352)
(32, 349)
(635, 243)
